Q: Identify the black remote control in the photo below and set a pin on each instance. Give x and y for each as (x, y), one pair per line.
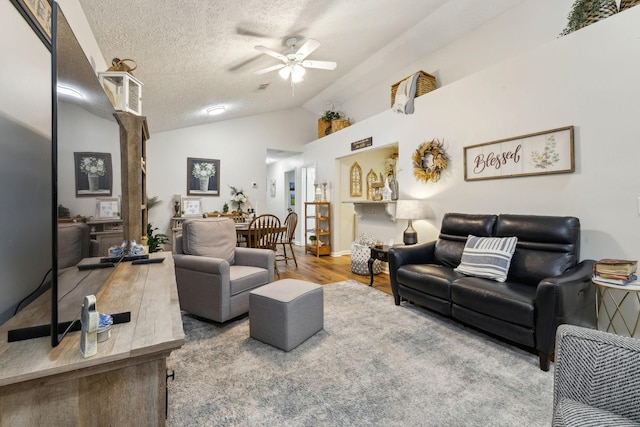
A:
(148, 261)
(94, 266)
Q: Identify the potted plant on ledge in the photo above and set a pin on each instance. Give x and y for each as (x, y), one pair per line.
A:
(331, 121)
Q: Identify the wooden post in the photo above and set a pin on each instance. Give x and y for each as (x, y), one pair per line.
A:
(133, 210)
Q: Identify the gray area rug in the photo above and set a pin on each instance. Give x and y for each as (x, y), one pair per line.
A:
(373, 364)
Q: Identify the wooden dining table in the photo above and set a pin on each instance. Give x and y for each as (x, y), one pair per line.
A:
(242, 231)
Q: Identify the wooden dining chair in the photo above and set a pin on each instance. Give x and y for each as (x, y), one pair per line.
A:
(290, 222)
(238, 217)
(264, 233)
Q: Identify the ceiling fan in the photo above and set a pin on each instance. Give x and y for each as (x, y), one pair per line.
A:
(293, 61)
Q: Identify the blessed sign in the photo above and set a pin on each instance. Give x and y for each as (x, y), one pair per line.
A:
(534, 154)
(367, 142)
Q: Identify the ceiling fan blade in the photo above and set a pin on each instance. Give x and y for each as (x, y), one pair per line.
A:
(323, 65)
(270, 52)
(269, 69)
(307, 48)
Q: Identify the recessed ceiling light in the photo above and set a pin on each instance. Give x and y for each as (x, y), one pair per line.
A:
(212, 111)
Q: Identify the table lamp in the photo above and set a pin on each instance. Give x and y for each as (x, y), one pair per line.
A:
(410, 209)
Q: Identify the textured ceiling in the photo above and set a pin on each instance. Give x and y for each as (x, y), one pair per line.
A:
(192, 54)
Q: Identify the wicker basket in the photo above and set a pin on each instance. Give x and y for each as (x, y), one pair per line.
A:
(324, 128)
(626, 4)
(338, 124)
(608, 8)
(426, 83)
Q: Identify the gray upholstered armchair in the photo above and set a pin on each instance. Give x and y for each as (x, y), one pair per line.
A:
(214, 277)
(596, 379)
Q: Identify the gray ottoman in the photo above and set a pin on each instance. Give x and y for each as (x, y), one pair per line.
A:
(286, 312)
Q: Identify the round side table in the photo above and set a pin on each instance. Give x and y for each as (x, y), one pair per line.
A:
(620, 306)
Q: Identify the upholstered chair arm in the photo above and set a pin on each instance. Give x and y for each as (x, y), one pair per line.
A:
(201, 264)
(263, 258)
(568, 298)
(596, 378)
(422, 253)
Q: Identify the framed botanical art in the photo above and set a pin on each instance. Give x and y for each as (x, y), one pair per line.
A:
(203, 177)
(191, 207)
(94, 175)
(547, 152)
(107, 208)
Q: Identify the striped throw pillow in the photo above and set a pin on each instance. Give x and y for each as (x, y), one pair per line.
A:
(487, 257)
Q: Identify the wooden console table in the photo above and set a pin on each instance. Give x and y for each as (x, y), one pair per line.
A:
(124, 384)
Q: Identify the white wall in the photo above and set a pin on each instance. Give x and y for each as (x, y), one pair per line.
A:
(521, 28)
(240, 145)
(587, 79)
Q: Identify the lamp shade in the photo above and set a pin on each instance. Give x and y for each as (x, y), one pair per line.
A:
(411, 209)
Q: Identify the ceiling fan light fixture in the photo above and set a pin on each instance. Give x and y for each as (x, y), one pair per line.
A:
(214, 111)
(297, 73)
(285, 72)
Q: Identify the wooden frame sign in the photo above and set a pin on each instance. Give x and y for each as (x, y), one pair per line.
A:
(540, 153)
(366, 142)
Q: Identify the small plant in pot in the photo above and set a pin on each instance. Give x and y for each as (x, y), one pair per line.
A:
(155, 242)
(329, 115)
(312, 239)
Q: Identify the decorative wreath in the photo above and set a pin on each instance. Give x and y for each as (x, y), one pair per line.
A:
(429, 160)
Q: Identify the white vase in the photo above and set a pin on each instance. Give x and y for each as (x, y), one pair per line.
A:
(204, 184)
(94, 182)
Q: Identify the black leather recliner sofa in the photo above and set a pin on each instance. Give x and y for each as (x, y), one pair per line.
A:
(546, 285)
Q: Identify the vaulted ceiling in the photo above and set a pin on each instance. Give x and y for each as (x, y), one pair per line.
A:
(193, 54)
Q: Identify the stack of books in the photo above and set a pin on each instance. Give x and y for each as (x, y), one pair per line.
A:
(615, 271)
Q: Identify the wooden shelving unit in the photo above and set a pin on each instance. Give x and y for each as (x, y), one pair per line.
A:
(317, 222)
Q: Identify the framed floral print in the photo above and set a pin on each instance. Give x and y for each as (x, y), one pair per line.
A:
(203, 177)
(94, 175)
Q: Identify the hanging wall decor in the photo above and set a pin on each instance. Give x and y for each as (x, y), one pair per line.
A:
(429, 160)
(372, 178)
(355, 180)
(203, 177)
(93, 174)
(547, 152)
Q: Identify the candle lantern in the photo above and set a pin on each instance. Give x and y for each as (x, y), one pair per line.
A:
(124, 91)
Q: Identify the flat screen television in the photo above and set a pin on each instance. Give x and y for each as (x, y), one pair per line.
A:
(82, 121)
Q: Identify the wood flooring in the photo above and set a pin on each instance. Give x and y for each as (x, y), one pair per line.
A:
(327, 269)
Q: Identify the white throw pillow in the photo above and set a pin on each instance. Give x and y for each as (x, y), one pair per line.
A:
(488, 257)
